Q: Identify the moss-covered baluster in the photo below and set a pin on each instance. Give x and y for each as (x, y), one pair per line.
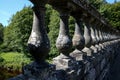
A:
(78, 40)
(38, 43)
(87, 36)
(63, 43)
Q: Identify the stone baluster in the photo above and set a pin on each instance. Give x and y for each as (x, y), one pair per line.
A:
(110, 35)
(96, 32)
(97, 38)
(78, 40)
(39, 46)
(38, 43)
(87, 36)
(98, 35)
(63, 43)
(104, 36)
(101, 33)
(93, 36)
(101, 38)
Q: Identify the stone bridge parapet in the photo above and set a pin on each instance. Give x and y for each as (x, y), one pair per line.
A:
(94, 52)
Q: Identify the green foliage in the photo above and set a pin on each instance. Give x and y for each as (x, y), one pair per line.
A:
(14, 59)
(112, 13)
(53, 33)
(97, 3)
(1, 59)
(18, 31)
(71, 26)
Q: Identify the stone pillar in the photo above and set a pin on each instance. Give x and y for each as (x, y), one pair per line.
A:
(39, 47)
(87, 36)
(101, 38)
(78, 40)
(97, 38)
(93, 36)
(38, 43)
(101, 33)
(63, 43)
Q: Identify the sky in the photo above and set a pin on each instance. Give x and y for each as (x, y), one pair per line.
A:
(10, 7)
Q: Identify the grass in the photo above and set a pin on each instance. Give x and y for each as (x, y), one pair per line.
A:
(14, 60)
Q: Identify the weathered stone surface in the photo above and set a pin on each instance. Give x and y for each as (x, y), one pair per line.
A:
(91, 74)
(38, 72)
(62, 61)
(77, 55)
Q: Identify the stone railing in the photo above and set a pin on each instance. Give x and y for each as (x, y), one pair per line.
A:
(94, 51)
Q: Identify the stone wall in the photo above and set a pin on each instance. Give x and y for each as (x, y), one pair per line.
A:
(95, 67)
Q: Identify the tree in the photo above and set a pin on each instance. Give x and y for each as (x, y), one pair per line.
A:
(112, 14)
(97, 3)
(110, 11)
(53, 33)
(18, 31)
